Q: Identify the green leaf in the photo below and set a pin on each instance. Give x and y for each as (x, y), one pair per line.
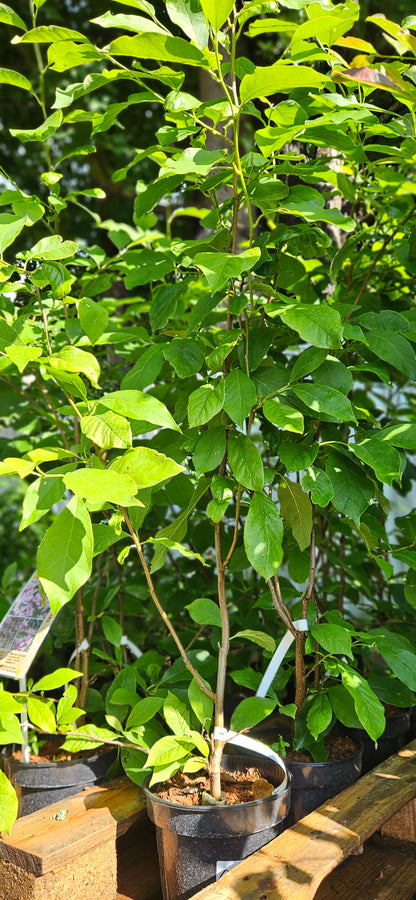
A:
(64, 558)
(320, 325)
(55, 680)
(220, 268)
(205, 403)
(102, 486)
(40, 497)
(383, 458)
(194, 160)
(308, 203)
(139, 406)
(166, 750)
(10, 228)
(112, 631)
(323, 400)
(201, 704)
(41, 715)
(146, 466)
(10, 731)
(9, 17)
(107, 430)
(164, 304)
(79, 743)
(367, 706)
(240, 396)
(245, 462)
(186, 355)
(9, 76)
(326, 26)
(176, 715)
(394, 349)
(53, 248)
(45, 131)
(401, 435)
(162, 48)
(333, 638)
(204, 612)
(319, 715)
(401, 661)
(21, 356)
(145, 371)
(71, 359)
(251, 711)
(256, 637)
(353, 491)
(210, 450)
(319, 485)
(279, 78)
(298, 456)
(190, 18)
(9, 803)
(263, 535)
(93, 317)
(296, 508)
(176, 531)
(144, 711)
(146, 266)
(283, 416)
(217, 11)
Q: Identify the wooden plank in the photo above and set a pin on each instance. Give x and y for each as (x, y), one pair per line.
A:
(39, 841)
(384, 871)
(91, 876)
(402, 826)
(137, 863)
(293, 865)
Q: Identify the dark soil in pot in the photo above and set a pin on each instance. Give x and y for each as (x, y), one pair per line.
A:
(196, 844)
(53, 774)
(316, 782)
(393, 738)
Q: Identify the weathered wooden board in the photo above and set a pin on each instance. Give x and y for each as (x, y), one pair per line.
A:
(293, 865)
(385, 870)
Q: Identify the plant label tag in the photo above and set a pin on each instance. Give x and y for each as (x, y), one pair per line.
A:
(225, 865)
(23, 630)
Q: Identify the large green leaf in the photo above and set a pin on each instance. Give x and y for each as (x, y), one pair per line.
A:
(205, 612)
(217, 11)
(9, 76)
(279, 78)
(321, 399)
(220, 268)
(263, 535)
(161, 47)
(72, 359)
(353, 491)
(320, 325)
(296, 508)
(256, 637)
(102, 486)
(245, 462)
(381, 456)
(40, 497)
(308, 203)
(139, 406)
(190, 18)
(146, 466)
(145, 370)
(283, 416)
(53, 248)
(164, 304)
(327, 26)
(64, 558)
(210, 450)
(394, 349)
(205, 403)
(186, 355)
(42, 133)
(333, 638)
(319, 715)
(319, 485)
(367, 706)
(9, 17)
(107, 430)
(201, 704)
(401, 661)
(10, 228)
(240, 396)
(251, 711)
(93, 317)
(9, 803)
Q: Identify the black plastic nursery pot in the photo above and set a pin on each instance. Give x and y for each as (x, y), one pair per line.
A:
(38, 784)
(394, 737)
(196, 844)
(316, 782)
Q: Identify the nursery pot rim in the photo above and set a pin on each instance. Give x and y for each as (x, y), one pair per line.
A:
(329, 762)
(279, 789)
(91, 757)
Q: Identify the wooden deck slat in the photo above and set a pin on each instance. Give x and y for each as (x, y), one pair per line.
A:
(293, 865)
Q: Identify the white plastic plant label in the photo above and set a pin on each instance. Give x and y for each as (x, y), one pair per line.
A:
(23, 630)
(225, 865)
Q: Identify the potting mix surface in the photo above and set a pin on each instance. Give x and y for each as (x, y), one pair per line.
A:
(236, 787)
(338, 746)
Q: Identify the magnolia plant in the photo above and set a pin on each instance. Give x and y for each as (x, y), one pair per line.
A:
(248, 364)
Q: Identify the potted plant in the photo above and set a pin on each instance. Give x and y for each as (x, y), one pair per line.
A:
(238, 357)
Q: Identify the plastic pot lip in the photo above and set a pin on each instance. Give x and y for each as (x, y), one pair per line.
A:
(333, 763)
(189, 810)
(52, 763)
